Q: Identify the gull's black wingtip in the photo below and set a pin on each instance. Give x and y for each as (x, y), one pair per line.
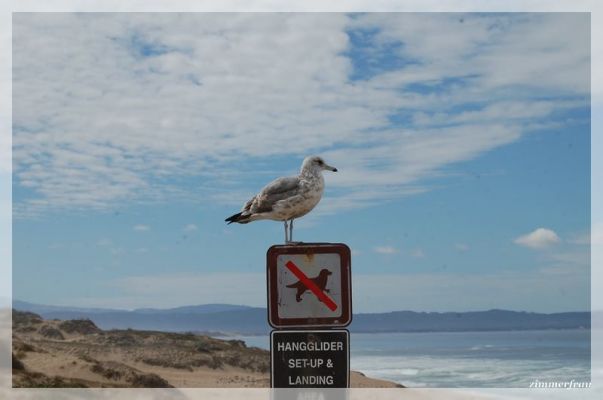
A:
(233, 218)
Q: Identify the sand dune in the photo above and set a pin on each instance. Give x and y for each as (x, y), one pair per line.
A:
(76, 353)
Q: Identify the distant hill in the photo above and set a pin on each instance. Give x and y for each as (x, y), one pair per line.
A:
(491, 320)
(200, 309)
(200, 318)
(40, 308)
(229, 318)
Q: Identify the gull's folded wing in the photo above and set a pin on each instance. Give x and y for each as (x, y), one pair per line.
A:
(276, 190)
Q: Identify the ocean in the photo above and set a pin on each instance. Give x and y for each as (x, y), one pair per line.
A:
(501, 359)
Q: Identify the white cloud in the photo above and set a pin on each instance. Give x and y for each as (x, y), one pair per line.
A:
(109, 107)
(190, 228)
(385, 250)
(538, 239)
(141, 228)
(497, 51)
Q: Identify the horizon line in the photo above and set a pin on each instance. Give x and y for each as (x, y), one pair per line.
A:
(247, 306)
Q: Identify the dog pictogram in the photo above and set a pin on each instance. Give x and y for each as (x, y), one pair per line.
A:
(320, 281)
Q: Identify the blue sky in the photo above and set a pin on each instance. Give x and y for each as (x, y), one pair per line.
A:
(462, 143)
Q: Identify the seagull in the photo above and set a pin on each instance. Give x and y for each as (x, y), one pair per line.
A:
(287, 198)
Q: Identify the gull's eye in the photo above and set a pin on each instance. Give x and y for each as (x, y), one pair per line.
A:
(320, 162)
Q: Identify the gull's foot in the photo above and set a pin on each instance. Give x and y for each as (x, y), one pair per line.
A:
(292, 243)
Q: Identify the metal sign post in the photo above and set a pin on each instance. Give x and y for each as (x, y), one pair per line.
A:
(309, 287)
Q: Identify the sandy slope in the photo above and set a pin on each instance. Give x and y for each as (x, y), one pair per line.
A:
(77, 353)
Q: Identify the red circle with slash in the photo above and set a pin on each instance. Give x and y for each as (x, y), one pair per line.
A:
(341, 313)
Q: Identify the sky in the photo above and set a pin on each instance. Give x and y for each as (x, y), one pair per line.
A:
(462, 143)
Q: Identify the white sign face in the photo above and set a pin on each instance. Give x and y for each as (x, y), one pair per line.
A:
(297, 300)
(309, 285)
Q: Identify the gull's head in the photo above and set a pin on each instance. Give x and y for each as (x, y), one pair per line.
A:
(316, 164)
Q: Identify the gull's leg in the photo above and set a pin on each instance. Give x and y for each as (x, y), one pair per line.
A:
(286, 237)
(291, 230)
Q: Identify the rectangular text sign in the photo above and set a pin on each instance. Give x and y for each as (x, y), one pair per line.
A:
(310, 359)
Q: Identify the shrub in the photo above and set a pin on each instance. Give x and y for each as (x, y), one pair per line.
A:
(81, 326)
(51, 332)
(149, 381)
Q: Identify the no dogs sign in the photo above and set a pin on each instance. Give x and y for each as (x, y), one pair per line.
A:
(309, 285)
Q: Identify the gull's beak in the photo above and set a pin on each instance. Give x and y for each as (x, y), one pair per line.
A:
(330, 168)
